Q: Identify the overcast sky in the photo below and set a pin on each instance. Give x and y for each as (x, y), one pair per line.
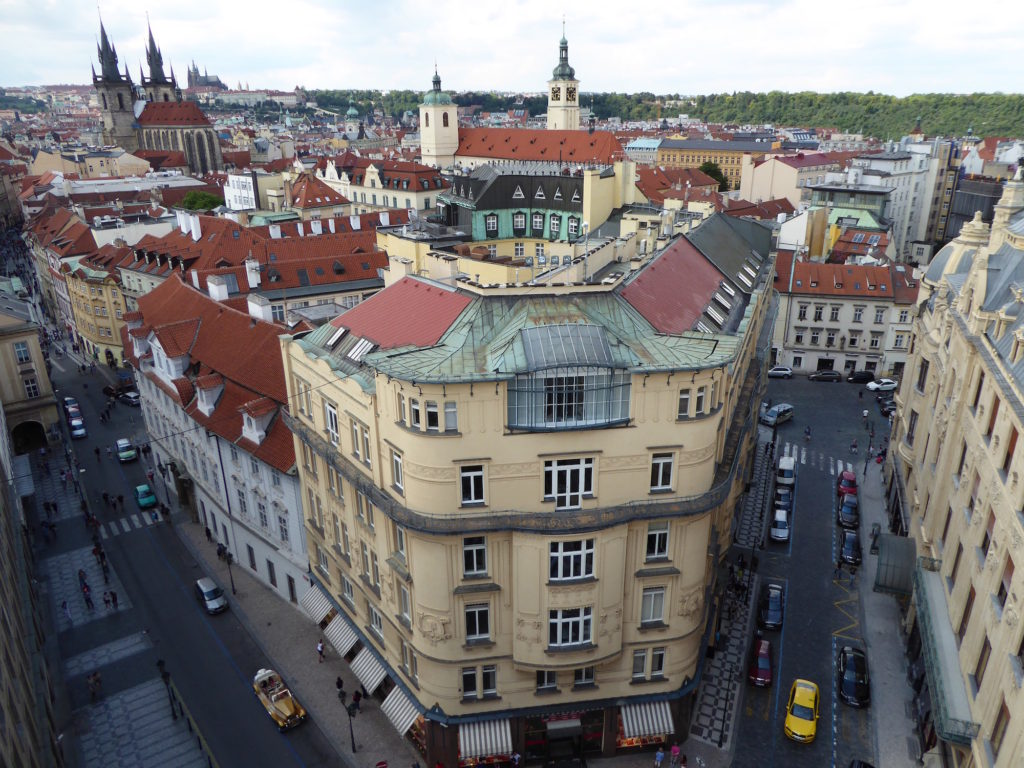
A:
(669, 46)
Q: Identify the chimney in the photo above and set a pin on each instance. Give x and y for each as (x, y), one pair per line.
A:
(217, 287)
(316, 227)
(182, 218)
(243, 218)
(252, 272)
(259, 307)
(330, 225)
(275, 231)
(197, 231)
(288, 193)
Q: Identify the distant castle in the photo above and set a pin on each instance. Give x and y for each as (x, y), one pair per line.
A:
(196, 80)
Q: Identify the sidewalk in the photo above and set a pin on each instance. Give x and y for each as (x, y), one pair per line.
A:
(289, 638)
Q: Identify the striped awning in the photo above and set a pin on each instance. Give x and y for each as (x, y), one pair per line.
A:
(316, 603)
(401, 710)
(369, 671)
(651, 718)
(484, 739)
(340, 635)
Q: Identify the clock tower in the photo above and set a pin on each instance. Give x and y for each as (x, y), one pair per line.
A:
(563, 92)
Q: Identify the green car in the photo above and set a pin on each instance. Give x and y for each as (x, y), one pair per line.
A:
(126, 451)
(144, 496)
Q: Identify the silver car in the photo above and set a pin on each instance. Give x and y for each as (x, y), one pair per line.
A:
(210, 596)
(777, 414)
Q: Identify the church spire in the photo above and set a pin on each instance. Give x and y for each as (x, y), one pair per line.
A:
(563, 71)
(156, 61)
(107, 57)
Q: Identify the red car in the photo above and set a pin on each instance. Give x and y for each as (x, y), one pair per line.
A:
(760, 671)
(847, 483)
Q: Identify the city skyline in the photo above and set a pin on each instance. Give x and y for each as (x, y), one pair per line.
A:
(694, 47)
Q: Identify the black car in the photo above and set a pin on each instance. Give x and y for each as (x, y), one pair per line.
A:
(848, 516)
(784, 498)
(860, 377)
(887, 406)
(854, 685)
(826, 376)
(849, 547)
(770, 607)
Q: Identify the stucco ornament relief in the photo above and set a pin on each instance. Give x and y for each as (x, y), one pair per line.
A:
(1010, 616)
(528, 630)
(433, 626)
(429, 472)
(524, 469)
(610, 622)
(1017, 541)
(689, 603)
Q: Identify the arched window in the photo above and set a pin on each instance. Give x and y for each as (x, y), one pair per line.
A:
(426, 118)
(444, 119)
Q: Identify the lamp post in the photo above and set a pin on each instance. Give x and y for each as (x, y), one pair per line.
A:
(166, 677)
(229, 557)
(586, 248)
(351, 710)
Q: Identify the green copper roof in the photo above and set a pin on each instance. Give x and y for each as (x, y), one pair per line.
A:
(563, 71)
(436, 95)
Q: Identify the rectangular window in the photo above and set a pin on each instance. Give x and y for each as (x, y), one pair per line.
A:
(242, 507)
(583, 676)
(798, 337)
(471, 478)
(397, 477)
(271, 573)
(833, 314)
(31, 388)
(404, 602)
(982, 663)
(571, 559)
(282, 528)
(414, 413)
(478, 621)
(657, 541)
(652, 606)
(356, 445)
(879, 315)
(538, 223)
(21, 352)
(639, 664)
(922, 376)
(563, 398)
(366, 446)
(547, 680)
(331, 421)
(321, 560)
(1004, 584)
(401, 408)
(858, 314)
(400, 540)
(657, 662)
(252, 556)
(977, 391)
(432, 417)
(999, 729)
(364, 551)
(474, 555)
(489, 680)
(569, 626)
(347, 591)
(815, 337)
(801, 313)
(1011, 446)
(819, 310)
(994, 411)
(261, 512)
(911, 427)
(345, 541)
(699, 403)
(684, 404)
(409, 663)
(469, 682)
(376, 621)
(375, 566)
(451, 417)
(661, 472)
(965, 617)
(567, 481)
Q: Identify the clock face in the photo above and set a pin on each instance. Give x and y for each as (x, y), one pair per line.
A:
(570, 93)
(556, 93)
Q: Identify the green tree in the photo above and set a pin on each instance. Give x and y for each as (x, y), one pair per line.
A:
(712, 170)
(201, 201)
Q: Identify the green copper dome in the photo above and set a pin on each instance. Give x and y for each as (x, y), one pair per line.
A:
(436, 95)
(563, 71)
(352, 111)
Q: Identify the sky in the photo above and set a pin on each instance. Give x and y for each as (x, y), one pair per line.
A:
(688, 47)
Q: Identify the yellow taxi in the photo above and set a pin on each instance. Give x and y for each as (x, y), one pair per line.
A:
(802, 711)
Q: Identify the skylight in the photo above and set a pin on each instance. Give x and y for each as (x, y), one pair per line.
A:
(361, 348)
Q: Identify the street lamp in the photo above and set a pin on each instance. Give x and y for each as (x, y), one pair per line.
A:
(586, 248)
(351, 709)
(166, 677)
(229, 557)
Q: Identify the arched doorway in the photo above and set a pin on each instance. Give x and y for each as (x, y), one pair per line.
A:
(28, 436)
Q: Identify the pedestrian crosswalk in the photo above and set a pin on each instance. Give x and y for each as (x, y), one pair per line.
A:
(126, 524)
(808, 456)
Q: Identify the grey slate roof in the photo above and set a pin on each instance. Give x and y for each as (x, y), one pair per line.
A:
(1005, 273)
(731, 243)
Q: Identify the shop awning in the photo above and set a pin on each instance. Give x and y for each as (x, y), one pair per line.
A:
(340, 635)
(651, 718)
(484, 739)
(400, 709)
(895, 571)
(316, 603)
(951, 709)
(564, 729)
(23, 483)
(368, 669)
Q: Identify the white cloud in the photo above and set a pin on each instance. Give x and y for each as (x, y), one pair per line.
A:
(686, 46)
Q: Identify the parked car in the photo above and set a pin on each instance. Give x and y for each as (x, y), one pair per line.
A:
(848, 515)
(70, 402)
(777, 414)
(826, 376)
(860, 377)
(125, 450)
(887, 406)
(144, 496)
(759, 671)
(847, 483)
(73, 412)
(77, 426)
(802, 711)
(785, 473)
(771, 606)
(780, 526)
(283, 708)
(784, 497)
(210, 596)
(882, 385)
(849, 547)
(129, 398)
(780, 372)
(854, 684)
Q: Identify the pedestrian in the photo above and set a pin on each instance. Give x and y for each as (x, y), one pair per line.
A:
(516, 758)
(864, 414)
(853, 446)
(209, 538)
(339, 683)
(860, 394)
(106, 572)
(67, 611)
(96, 450)
(659, 756)
(120, 501)
(88, 599)
(81, 577)
(674, 753)
(356, 698)
(106, 600)
(110, 452)
(320, 650)
(96, 553)
(113, 599)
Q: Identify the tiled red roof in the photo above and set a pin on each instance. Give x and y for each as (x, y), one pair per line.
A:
(172, 113)
(673, 290)
(801, 160)
(409, 312)
(310, 192)
(240, 158)
(158, 158)
(210, 381)
(176, 338)
(657, 183)
(853, 280)
(261, 406)
(539, 145)
(768, 209)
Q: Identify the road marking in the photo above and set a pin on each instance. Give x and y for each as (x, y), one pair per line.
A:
(135, 521)
(124, 524)
(853, 600)
(103, 532)
(148, 519)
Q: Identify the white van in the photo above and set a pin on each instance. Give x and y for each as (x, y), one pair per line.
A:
(780, 526)
(786, 473)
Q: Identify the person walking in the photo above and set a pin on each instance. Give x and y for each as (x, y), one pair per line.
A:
(88, 599)
(96, 450)
(67, 611)
(673, 759)
(209, 536)
(113, 599)
(106, 600)
(320, 650)
(659, 757)
(356, 698)
(120, 501)
(853, 446)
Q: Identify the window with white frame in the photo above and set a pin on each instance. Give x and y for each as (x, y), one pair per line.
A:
(474, 555)
(639, 663)
(400, 541)
(404, 603)
(657, 662)
(364, 552)
(567, 481)
(397, 476)
(471, 477)
(518, 220)
(571, 559)
(570, 626)
(347, 590)
(376, 620)
(331, 421)
(547, 680)
(414, 413)
(31, 387)
(652, 606)
(583, 676)
(242, 508)
(683, 411)
(282, 528)
(375, 566)
(478, 621)
(491, 224)
(261, 511)
(879, 315)
(409, 663)
(661, 472)
(451, 417)
(433, 420)
(401, 408)
(519, 250)
(657, 541)
(21, 352)
(858, 314)
(538, 223)
(700, 403)
(321, 560)
(356, 443)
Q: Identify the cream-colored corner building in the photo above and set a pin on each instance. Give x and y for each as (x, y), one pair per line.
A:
(516, 495)
(958, 488)
(98, 302)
